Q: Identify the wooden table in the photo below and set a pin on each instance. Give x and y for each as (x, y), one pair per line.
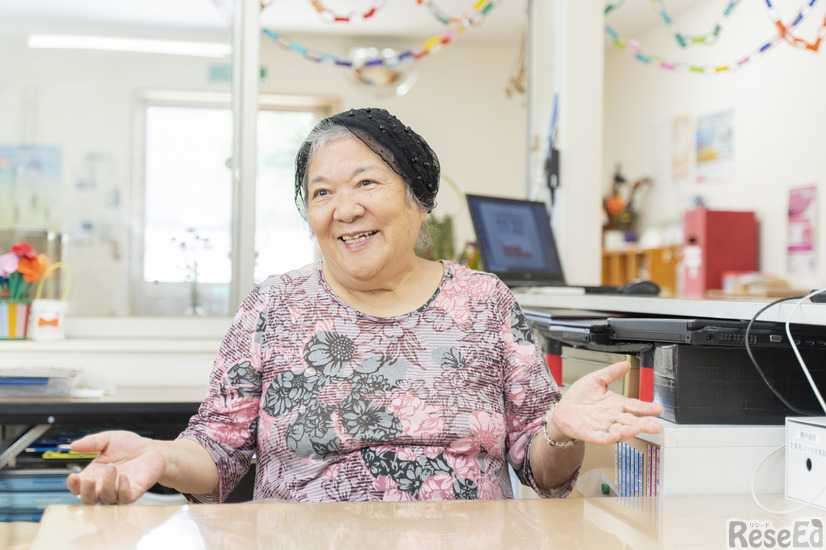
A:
(599, 523)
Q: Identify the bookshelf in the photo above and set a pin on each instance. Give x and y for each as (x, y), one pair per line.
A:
(686, 460)
(656, 264)
(693, 459)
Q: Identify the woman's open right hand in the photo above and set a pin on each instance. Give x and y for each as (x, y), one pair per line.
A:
(126, 467)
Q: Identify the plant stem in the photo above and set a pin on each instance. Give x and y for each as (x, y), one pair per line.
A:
(14, 286)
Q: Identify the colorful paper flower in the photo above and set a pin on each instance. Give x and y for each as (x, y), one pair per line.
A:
(23, 250)
(20, 268)
(33, 269)
(8, 264)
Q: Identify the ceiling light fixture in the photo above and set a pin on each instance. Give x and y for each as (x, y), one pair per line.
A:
(137, 45)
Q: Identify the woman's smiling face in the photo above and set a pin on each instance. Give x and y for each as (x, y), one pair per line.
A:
(358, 209)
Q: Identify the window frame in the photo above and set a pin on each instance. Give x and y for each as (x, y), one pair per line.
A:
(322, 106)
(145, 99)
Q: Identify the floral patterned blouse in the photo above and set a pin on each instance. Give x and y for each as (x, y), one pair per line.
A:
(338, 405)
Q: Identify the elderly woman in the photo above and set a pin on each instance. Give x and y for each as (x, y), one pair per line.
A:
(373, 374)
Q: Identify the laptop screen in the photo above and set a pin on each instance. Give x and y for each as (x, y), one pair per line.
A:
(515, 240)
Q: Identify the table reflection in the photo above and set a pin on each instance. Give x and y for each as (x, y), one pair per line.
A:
(605, 523)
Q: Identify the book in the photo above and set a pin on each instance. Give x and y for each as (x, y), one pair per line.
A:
(636, 468)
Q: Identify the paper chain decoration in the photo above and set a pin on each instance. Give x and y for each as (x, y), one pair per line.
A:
(475, 17)
(788, 36)
(683, 39)
(330, 15)
(465, 20)
(481, 8)
(784, 34)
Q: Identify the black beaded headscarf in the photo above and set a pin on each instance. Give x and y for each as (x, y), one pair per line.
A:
(402, 149)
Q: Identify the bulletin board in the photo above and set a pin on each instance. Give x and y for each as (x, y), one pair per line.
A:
(30, 186)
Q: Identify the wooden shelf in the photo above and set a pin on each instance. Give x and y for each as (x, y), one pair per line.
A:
(656, 264)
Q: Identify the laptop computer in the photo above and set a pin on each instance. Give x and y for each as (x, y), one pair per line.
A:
(516, 243)
(618, 331)
(713, 332)
(575, 332)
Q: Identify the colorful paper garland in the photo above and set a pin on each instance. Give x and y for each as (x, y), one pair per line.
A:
(784, 35)
(333, 17)
(683, 39)
(432, 45)
(785, 31)
(480, 10)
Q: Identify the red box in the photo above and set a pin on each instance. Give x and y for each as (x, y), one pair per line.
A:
(555, 366)
(715, 241)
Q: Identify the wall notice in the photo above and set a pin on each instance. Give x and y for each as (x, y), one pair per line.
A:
(715, 147)
(802, 252)
(681, 148)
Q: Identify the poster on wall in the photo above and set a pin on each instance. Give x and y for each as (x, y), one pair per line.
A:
(802, 228)
(681, 148)
(715, 146)
(30, 187)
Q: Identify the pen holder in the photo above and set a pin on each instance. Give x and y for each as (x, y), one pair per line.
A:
(14, 319)
(47, 319)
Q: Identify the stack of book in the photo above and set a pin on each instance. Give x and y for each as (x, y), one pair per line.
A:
(36, 382)
(636, 468)
(24, 494)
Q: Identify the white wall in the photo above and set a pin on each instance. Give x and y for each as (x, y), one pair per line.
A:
(580, 140)
(778, 106)
(567, 62)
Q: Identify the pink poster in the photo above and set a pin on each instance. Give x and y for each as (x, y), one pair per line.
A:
(802, 257)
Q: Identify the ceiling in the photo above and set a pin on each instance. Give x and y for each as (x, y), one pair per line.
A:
(396, 18)
(393, 18)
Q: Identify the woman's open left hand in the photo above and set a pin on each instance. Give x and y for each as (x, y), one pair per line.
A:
(589, 411)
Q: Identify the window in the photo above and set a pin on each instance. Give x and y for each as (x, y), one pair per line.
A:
(182, 264)
(282, 238)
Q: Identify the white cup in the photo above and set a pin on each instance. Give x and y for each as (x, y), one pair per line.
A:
(47, 320)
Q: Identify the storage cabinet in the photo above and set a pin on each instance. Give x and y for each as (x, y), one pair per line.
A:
(716, 242)
(33, 465)
(718, 459)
